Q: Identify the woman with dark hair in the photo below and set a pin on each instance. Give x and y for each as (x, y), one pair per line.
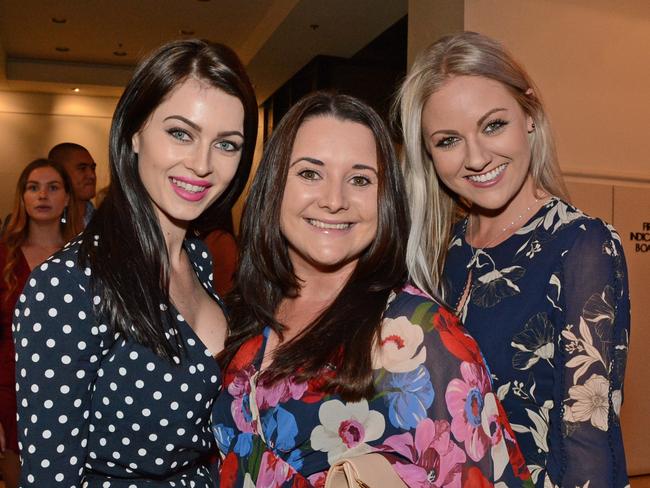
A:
(35, 231)
(539, 284)
(115, 335)
(331, 355)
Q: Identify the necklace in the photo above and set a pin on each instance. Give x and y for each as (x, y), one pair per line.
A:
(504, 229)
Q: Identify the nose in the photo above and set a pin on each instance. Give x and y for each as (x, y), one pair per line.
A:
(43, 193)
(334, 196)
(477, 156)
(200, 160)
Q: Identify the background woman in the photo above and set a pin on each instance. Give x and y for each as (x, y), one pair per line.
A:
(35, 231)
(330, 355)
(116, 334)
(540, 285)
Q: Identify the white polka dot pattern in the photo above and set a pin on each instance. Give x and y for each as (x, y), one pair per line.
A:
(97, 410)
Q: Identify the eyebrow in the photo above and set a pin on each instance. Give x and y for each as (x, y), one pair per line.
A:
(197, 127)
(34, 182)
(479, 122)
(318, 162)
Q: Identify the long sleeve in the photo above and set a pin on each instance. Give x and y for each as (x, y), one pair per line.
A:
(59, 344)
(593, 343)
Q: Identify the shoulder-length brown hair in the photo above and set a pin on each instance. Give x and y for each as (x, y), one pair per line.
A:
(17, 230)
(344, 334)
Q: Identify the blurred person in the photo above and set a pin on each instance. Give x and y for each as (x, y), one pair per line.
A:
(81, 166)
(35, 231)
(115, 335)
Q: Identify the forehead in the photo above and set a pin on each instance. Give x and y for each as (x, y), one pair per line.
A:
(203, 103)
(335, 139)
(467, 97)
(77, 156)
(44, 173)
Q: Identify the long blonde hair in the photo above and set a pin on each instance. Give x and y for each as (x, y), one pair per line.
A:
(18, 227)
(432, 207)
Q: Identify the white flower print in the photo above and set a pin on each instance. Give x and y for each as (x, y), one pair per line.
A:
(583, 343)
(400, 346)
(346, 429)
(591, 402)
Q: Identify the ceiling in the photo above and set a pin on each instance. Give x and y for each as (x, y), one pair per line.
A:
(58, 45)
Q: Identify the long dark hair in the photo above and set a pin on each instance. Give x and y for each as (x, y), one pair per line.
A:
(344, 334)
(130, 264)
(17, 229)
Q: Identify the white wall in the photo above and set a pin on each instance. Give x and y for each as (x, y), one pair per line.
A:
(31, 123)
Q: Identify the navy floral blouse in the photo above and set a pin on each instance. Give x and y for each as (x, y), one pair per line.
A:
(434, 414)
(98, 410)
(549, 308)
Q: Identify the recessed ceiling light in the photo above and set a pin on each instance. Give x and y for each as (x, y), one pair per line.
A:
(119, 53)
(62, 49)
(186, 32)
(59, 20)
(76, 90)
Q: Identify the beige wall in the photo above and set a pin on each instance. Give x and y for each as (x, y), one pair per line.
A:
(591, 61)
(34, 122)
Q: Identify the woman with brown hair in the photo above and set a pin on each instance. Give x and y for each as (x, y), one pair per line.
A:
(331, 354)
(35, 231)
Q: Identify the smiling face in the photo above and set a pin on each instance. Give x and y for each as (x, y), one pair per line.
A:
(478, 137)
(45, 196)
(189, 150)
(329, 207)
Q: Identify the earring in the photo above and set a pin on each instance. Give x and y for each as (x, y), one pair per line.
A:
(532, 128)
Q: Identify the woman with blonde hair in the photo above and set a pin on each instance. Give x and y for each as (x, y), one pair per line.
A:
(35, 231)
(539, 284)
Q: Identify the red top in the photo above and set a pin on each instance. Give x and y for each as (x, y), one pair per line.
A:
(223, 247)
(7, 355)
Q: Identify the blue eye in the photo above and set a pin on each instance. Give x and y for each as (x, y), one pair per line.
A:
(228, 146)
(447, 142)
(494, 126)
(179, 134)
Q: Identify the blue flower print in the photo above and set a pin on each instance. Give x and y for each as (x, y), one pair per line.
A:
(280, 430)
(408, 396)
(223, 435)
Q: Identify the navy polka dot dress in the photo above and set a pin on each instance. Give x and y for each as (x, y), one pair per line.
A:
(97, 410)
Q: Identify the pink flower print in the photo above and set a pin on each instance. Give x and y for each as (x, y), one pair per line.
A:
(317, 480)
(435, 459)
(280, 391)
(274, 472)
(465, 400)
(240, 388)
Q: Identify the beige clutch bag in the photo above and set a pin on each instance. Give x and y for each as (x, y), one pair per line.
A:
(367, 471)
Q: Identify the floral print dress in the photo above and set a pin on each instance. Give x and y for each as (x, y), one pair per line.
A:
(433, 415)
(549, 308)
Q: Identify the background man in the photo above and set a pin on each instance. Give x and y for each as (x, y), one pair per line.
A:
(80, 166)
